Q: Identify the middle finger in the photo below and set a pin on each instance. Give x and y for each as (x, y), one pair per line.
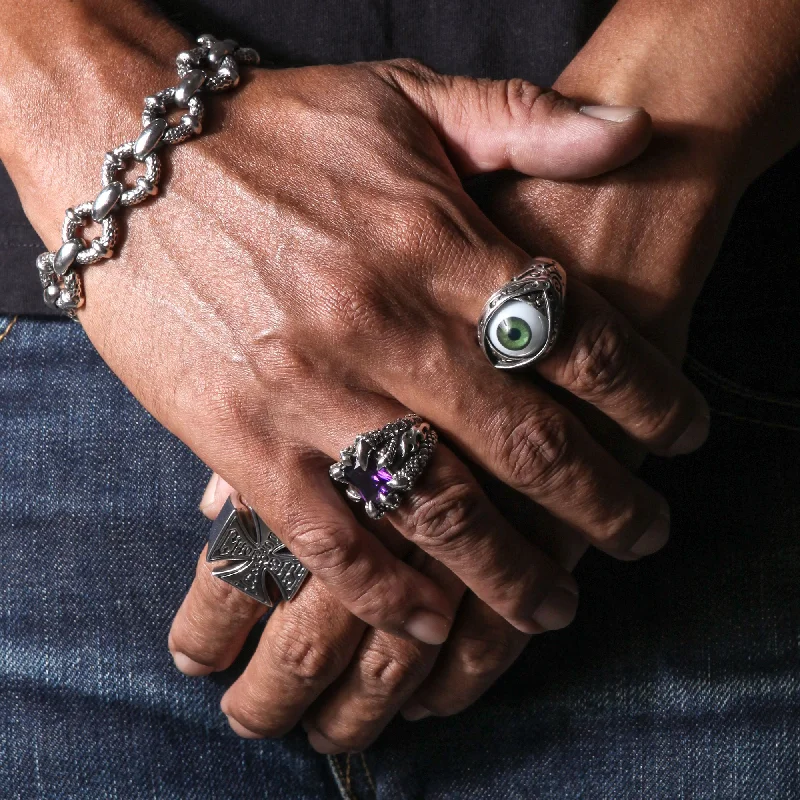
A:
(382, 676)
(521, 435)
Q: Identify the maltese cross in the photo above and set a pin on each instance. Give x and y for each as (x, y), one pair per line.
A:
(258, 559)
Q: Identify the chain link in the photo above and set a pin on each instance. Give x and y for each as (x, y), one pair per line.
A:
(212, 66)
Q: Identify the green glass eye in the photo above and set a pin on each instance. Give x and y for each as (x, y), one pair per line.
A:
(514, 333)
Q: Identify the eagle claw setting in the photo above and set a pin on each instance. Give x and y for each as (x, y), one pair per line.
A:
(382, 465)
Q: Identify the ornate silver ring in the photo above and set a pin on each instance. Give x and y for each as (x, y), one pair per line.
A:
(382, 465)
(521, 320)
(258, 562)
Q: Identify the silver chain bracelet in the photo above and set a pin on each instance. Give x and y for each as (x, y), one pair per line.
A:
(211, 66)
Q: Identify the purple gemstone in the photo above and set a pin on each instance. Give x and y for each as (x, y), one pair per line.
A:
(371, 483)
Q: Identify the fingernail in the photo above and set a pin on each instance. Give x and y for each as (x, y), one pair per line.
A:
(240, 730)
(321, 744)
(210, 493)
(693, 437)
(428, 627)
(189, 666)
(414, 711)
(557, 610)
(654, 538)
(611, 113)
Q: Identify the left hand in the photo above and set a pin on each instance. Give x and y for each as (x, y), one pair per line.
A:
(363, 676)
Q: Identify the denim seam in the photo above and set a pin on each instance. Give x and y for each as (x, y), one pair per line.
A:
(368, 773)
(342, 782)
(12, 322)
(727, 384)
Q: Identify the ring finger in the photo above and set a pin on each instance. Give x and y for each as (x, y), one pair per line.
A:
(448, 515)
(304, 648)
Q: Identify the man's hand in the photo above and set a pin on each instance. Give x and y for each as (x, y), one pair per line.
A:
(645, 237)
(343, 680)
(346, 682)
(317, 270)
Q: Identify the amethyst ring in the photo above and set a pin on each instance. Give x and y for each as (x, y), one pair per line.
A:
(382, 465)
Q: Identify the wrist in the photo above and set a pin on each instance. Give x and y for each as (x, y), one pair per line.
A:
(74, 89)
(721, 82)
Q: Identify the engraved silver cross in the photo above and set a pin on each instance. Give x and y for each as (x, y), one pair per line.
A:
(257, 555)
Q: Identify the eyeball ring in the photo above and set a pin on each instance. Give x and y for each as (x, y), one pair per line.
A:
(521, 320)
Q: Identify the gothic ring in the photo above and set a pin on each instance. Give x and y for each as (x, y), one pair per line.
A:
(258, 562)
(521, 320)
(382, 465)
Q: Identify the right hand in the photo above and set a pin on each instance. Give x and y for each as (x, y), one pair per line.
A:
(316, 270)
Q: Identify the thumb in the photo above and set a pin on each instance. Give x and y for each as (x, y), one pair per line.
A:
(491, 125)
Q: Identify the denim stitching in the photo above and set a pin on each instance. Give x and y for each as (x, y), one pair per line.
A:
(8, 328)
(370, 779)
(339, 779)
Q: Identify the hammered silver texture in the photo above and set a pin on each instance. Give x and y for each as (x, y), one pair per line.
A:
(146, 185)
(156, 107)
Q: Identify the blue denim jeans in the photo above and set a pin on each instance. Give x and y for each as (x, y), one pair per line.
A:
(679, 679)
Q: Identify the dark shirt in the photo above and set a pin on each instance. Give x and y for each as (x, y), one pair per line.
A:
(532, 39)
(758, 271)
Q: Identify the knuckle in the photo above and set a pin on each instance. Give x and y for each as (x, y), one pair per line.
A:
(545, 102)
(535, 448)
(326, 548)
(517, 97)
(336, 554)
(440, 520)
(389, 672)
(306, 654)
(601, 359)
